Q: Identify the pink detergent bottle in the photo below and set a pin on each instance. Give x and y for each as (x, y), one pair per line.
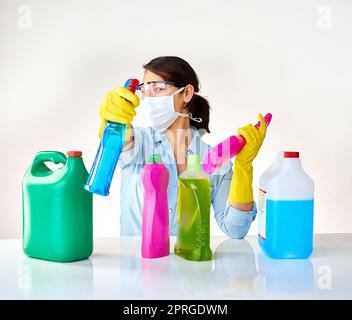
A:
(226, 150)
(155, 221)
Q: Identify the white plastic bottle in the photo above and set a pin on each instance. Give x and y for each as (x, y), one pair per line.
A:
(285, 209)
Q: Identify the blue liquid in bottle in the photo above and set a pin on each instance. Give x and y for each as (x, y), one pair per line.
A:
(289, 229)
(104, 165)
(112, 141)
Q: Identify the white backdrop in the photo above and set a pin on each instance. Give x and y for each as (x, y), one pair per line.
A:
(291, 58)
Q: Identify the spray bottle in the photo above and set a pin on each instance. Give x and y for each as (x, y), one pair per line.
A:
(226, 150)
(109, 150)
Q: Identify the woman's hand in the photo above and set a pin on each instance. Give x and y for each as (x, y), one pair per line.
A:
(241, 192)
(254, 140)
(118, 106)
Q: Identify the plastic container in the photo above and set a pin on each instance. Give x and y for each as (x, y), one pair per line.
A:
(285, 209)
(108, 153)
(226, 150)
(57, 211)
(194, 199)
(155, 221)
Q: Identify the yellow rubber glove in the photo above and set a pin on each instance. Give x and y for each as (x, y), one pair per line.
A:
(241, 183)
(118, 106)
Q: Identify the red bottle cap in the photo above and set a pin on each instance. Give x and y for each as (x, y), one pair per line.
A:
(132, 84)
(74, 153)
(291, 154)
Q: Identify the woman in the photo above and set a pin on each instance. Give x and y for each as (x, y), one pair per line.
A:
(177, 117)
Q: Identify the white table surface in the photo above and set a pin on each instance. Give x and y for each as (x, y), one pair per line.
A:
(239, 270)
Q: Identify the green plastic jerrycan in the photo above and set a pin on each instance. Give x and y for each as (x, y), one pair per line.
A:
(57, 210)
(193, 223)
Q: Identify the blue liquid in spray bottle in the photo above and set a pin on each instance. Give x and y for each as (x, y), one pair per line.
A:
(112, 141)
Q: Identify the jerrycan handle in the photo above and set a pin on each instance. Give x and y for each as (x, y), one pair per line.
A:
(44, 156)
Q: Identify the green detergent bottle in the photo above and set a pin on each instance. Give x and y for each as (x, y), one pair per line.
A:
(193, 229)
(57, 210)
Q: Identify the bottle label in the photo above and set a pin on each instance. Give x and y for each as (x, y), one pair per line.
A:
(262, 214)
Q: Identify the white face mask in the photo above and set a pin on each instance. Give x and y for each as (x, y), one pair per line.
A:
(159, 112)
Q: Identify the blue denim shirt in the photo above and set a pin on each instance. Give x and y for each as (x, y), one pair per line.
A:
(233, 222)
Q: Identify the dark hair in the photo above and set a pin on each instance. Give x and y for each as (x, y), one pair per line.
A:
(180, 72)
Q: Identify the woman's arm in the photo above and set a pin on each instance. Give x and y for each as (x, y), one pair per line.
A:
(235, 215)
(234, 221)
(241, 191)
(243, 206)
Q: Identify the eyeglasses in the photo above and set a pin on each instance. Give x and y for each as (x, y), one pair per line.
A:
(154, 88)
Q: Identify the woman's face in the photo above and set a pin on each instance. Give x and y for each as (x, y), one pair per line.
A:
(180, 100)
